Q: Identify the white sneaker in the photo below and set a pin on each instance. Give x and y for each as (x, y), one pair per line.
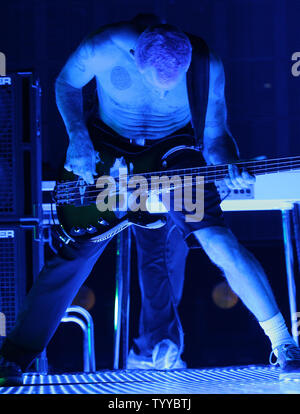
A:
(135, 361)
(288, 359)
(164, 356)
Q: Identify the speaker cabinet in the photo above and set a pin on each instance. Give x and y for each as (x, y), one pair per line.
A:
(20, 146)
(21, 257)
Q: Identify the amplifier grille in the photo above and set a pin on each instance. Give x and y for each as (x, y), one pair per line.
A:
(7, 168)
(8, 282)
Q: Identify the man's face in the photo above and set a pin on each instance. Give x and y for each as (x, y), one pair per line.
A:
(151, 78)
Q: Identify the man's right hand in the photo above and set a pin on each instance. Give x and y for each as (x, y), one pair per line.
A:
(81, 156)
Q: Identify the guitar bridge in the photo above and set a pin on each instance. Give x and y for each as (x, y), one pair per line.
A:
(73, 193)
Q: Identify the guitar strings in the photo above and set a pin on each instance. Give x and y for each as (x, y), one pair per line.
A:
(95, 189)
(210, 178)
(215, 167)
(218, 172)
(92, 194)
(158, 192)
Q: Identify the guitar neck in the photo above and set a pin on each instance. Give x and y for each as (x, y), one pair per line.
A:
(212, 173)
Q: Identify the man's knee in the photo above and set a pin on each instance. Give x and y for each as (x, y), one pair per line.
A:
(220, 244)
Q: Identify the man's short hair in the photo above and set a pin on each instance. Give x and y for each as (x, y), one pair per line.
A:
(166, 48)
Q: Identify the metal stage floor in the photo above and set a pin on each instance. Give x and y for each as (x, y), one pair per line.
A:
(252, 379)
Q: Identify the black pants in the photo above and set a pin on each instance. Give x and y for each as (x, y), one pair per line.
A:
(161, 261)
(161, 274)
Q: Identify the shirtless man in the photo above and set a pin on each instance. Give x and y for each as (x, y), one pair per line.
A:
(143, 96)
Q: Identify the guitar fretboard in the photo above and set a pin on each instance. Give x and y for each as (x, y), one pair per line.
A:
(212, 173)
(70, 192)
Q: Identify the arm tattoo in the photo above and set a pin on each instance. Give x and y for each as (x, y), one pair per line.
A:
(81, 57)
(218, 87)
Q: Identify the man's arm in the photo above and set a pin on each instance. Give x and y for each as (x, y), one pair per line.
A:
(76, 73)
(219, 145)
(89, 58)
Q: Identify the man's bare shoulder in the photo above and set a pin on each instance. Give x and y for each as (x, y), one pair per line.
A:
(117, 36)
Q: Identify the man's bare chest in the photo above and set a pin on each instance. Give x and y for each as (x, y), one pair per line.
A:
(125, 86)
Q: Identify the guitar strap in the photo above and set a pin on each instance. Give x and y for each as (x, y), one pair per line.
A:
(198, 86)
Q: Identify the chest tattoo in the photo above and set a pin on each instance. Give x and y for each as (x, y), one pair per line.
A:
(120, 78)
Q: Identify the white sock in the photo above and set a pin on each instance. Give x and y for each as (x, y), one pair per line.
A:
(276, 329)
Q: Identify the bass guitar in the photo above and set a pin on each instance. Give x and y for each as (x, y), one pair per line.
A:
(81, 217)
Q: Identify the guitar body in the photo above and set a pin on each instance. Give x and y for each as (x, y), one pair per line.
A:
(77, 212)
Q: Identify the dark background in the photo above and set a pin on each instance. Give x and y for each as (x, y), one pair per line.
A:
(255, 39)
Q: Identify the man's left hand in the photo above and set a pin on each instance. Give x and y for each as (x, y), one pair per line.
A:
(238, 178)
